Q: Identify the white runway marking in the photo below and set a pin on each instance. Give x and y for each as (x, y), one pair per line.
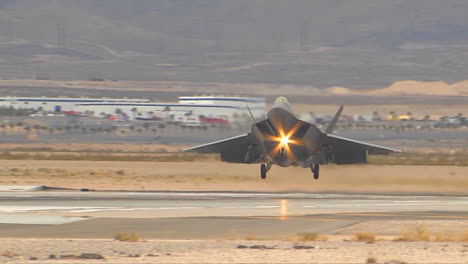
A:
(80, 209)
(37, 219)
(20, 209)
(84, 209)
(385, 204)
(135, 209)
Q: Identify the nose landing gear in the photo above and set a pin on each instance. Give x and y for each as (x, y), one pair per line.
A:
(315, 170)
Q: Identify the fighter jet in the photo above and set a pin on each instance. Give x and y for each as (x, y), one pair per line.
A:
(284, 140)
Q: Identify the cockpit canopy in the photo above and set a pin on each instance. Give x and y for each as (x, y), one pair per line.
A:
(281, 100)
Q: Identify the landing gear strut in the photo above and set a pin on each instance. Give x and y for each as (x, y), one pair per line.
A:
(263, 171)
(264, 168)
(315, 170)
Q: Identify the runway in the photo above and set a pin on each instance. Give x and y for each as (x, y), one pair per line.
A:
(184, 215)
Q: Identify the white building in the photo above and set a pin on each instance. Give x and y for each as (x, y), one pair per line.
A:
(168, 111)
(223, 100)
(58, 104)
(255, 104)
(215, 109)
(209, 109)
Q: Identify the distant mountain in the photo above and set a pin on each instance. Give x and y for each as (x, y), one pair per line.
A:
(321, 43)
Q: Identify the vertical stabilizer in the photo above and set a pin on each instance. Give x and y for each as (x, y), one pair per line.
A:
(333, 122)
(251, 115)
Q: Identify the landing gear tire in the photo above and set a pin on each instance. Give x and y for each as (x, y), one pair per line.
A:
(315, 170)
(263, 171)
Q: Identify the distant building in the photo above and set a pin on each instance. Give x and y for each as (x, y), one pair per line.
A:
(252, 102)
(210, 110)
(168, 111)
(255, 104)
(57, 104)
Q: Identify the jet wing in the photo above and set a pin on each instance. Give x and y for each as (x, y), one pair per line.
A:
(238, 149)
(220, 145)
(372, 149)
(349, 151)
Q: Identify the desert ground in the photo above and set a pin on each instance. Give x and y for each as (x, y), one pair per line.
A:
(382, 241)
(398, 88)
(338, 250)
(219, 176)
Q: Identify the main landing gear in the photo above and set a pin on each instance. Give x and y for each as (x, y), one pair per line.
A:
(315, 170)
(264, 168)
(263, 171)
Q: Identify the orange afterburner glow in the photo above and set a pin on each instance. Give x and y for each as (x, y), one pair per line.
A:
(284, 139)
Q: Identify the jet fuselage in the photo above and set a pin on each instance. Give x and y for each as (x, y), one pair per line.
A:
(286, 140)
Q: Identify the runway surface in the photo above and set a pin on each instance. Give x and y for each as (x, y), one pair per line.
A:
(207, 214)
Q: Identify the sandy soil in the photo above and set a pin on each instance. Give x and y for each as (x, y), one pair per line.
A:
(335, 251)
(399, 227)
(215, 175)
(423, 88)
(399, 88)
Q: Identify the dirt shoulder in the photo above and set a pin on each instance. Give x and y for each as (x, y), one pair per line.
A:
(220, 176)
(239, 251)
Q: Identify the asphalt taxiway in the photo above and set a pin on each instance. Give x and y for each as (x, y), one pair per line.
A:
(199, 215)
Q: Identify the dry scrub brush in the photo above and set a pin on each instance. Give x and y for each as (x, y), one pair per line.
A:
(450, 236)
(250, 237)
(9, 254)
(417, 233)
(311, 236)
(132, 237)
(364, 237)
(422, 233)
